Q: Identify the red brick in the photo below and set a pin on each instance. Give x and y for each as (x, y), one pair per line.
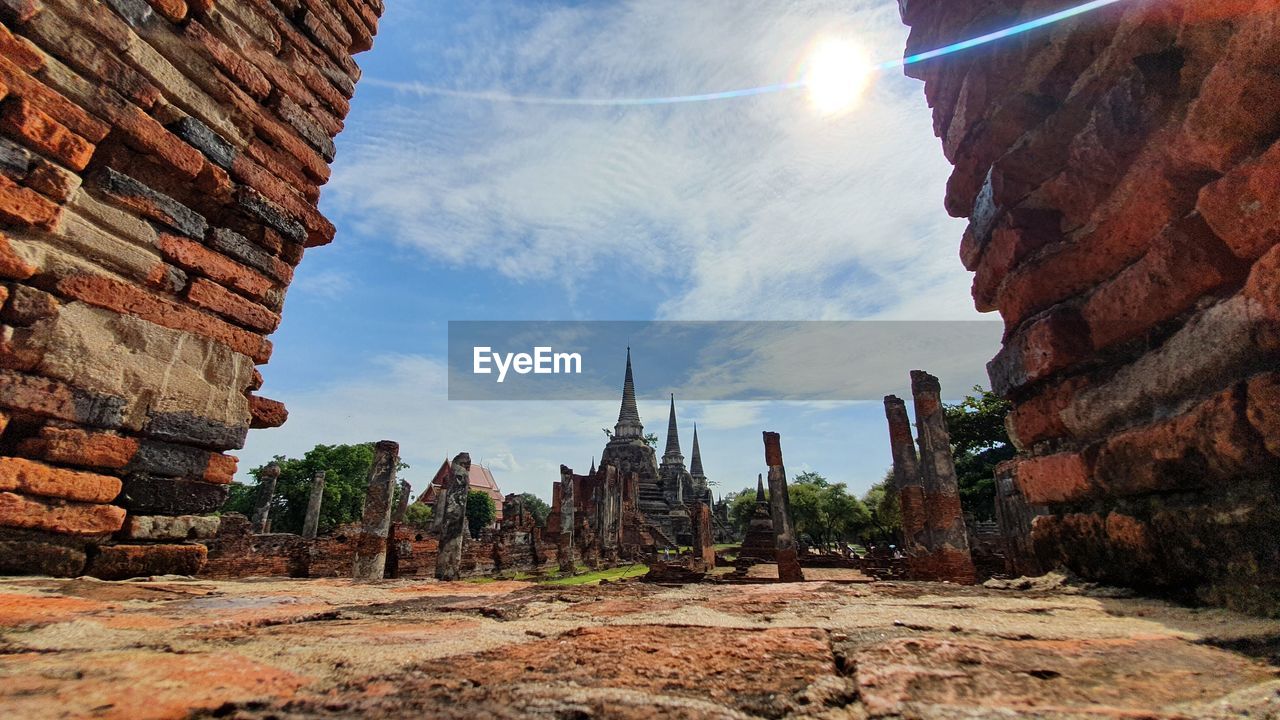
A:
(12, 266)
(20, 51)
(121, 562)
(52, 181)
(1037, 418)
(77, 447)
(172, 10)
(1052, 343)
(1015, 237)
(26, 208)
(1264, 409)
(51, 102)
(127, 299)
(1149, 200)
(1051, 479)
(221, 468)
(242, 71)
(284, 167)
(1210, 442)
(1185, 263)
(59, 516)
(194, 257)
(1243, 206)
(21, 119)
(282, 193)
(215, 298)
(267, 413)
(34, 478)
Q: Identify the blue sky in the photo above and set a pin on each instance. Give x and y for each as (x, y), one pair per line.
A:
(453, 208)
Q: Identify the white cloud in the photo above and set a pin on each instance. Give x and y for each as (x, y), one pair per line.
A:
(756, 208)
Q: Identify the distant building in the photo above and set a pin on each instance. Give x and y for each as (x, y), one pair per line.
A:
(478, 479)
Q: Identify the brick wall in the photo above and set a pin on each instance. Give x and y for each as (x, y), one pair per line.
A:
(160, 164)
(1121, 177)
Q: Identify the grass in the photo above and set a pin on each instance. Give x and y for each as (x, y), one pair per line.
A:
(594, 578)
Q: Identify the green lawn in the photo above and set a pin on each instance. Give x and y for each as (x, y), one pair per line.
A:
(594, 578)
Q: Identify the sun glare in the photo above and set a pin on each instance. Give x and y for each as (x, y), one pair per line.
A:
(836, 73)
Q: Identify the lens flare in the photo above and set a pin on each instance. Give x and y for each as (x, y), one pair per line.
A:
(836, 73)
(833, 81)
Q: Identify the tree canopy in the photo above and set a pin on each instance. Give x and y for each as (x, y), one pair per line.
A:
(741, 506)
(537, 507)
(825, 512)
(979, 442)
(481, 511)
(881, 500)
(346, 470)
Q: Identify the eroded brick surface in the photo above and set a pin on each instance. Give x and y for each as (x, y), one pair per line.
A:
(160, 163)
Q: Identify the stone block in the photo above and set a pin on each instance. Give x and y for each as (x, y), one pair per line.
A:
(159, 207)
(1243, 206)
(150, 495)
(195, 257)
(29, 551)
(1263, 400)
(34, 478)
(26, 208)
(58, 516)
(215, 298)
(1054, 479)
(121, 562)
(163, 527)
(20, 119)
(267, 413)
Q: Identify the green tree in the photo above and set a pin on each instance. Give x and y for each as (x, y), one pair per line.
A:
(537, 507)
(481, 511)
(741, 507)
(882, 501)
(346, 470)
(650, 439)
(825, 511)
(418, 516)
(979, 442)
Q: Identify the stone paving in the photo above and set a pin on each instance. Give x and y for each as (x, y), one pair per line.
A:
(174, 647)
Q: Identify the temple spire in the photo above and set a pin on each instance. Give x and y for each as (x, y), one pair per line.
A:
(673, 433)
(592, 471)
(628, 416)
(695, 462)
(759, 488)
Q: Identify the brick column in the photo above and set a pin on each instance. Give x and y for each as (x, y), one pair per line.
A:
(780, 503)
(312, 523)
(907, 484)
(948, 538)
(266, 492)
(565, 550)
(453, 518)
(371, 545)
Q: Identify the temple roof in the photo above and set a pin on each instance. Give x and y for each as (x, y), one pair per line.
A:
(695, 462)
(629, 425)
(673, 433)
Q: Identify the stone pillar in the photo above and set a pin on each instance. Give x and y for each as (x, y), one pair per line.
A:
(907, 483)
(780, 503)
(402, 503)
(371, 545)
(567, 560)
(312, 524)
(453, 519)
(704, 551)
(944, 518)
(266, 491)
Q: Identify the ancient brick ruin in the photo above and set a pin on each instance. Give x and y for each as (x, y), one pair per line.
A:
(160, 164)
(935, 538)
(1121, 177)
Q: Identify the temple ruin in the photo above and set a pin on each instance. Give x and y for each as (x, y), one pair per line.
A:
(1120, 179)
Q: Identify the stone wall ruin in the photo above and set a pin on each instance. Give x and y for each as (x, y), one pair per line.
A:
(1121, 176)
(160, 165)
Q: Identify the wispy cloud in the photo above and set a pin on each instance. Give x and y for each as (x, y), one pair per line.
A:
(753, 208)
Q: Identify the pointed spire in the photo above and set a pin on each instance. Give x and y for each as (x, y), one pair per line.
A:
(592, 472)
(695, 462)
(759, 488)
(673, 433)
(628, 416)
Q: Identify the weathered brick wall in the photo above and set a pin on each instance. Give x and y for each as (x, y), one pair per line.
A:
(1121, 176)
(160, 164)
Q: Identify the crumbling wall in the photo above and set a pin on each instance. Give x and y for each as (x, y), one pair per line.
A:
(160, 165)
(1121, 177)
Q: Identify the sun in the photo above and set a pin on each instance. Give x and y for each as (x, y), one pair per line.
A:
(836, 73)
